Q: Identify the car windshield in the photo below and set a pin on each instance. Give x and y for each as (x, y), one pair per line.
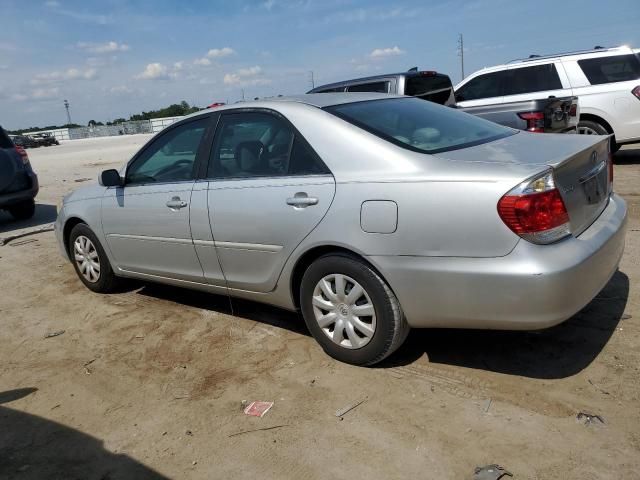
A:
(418, 125)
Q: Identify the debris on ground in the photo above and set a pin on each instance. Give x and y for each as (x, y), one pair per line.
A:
(189, 433)
(626, 317)
(258, 430)
(24, 242)
(487, 405)
(348, 408)
(258, 409)
(598, 388)
(491, 472)
(80, 180)
(46, 228)
(54, 334)
(589, 418)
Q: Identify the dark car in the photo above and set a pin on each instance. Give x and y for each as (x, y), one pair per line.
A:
(548, 115)
(18, 182)
(426, 84)
(25, 142)
(45, 139)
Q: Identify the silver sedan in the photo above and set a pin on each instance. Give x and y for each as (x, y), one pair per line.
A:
(368, 213)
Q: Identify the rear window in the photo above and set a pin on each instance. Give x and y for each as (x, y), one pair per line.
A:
(380, 87)
(421, 85)
(620, 68)
(5, 141)
(532, 79)
(420, 126)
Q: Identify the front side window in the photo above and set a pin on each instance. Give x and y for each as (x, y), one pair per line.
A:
(619, 68)
(538, 78)
(256, 144)
(483, 86)
(420, 126)
(379, 87)
(171, 157)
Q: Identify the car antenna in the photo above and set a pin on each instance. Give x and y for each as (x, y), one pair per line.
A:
(413, 69)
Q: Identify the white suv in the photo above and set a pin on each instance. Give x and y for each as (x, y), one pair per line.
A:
(606, 81)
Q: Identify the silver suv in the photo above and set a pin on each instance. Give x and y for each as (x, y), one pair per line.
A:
(606, 80)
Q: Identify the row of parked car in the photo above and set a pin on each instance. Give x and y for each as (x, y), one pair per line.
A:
(593, 92)
(34, 141)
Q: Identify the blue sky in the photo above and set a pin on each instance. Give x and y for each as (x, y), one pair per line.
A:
(112, 58)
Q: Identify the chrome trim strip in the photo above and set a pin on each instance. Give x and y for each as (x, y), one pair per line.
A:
(593, 172)
(249, 246)
(258, 247)
(185, 241)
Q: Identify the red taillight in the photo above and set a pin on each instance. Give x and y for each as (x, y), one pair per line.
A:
(535, 211)
(535, 121)
(610, 165)
(573, 111)
(23, 154)
(636, 92)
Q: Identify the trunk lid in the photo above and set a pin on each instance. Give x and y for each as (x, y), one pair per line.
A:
(579, 163)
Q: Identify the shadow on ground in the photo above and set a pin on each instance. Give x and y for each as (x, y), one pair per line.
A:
(557, 352)
(627, 157)
(33, 447)
(45, 213)
(258, 312)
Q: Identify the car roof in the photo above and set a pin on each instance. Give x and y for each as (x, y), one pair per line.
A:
(319, 100)
(543, 59)
(412, 73)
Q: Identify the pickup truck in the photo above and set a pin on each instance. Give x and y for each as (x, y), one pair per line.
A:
(550, 115)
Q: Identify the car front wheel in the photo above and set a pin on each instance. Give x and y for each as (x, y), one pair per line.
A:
(23, 210)
(90, 261)
(351, 311)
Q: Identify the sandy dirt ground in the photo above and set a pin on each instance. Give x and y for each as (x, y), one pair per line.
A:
(149, 383)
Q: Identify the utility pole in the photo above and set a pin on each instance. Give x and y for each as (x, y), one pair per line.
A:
(66, 105)
(313, 83)
(461, 53)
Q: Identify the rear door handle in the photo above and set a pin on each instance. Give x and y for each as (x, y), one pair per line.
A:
(301, 200)
(176, 203)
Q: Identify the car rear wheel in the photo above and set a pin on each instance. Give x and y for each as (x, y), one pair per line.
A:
(90, 261)
(587, 127)
(351, 311)
(23, 210)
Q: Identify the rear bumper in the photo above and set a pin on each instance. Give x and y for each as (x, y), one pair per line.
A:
(9, 199)
(535, 286)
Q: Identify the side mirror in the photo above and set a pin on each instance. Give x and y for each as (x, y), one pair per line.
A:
(111, 178)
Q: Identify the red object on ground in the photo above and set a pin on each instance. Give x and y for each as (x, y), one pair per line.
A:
(258, 409)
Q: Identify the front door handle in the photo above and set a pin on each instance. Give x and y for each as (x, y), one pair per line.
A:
(301, 200)
(176, 204)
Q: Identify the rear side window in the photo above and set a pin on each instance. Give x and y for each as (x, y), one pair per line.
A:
(483, 86)
(380, 87)
(532, 79)
(5, 141)
(620, 68)
(418, 125)
(253, 144)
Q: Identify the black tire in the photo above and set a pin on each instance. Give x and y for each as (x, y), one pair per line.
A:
(107, 281)
(391, 326)
(593, 126)
(23, 210)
